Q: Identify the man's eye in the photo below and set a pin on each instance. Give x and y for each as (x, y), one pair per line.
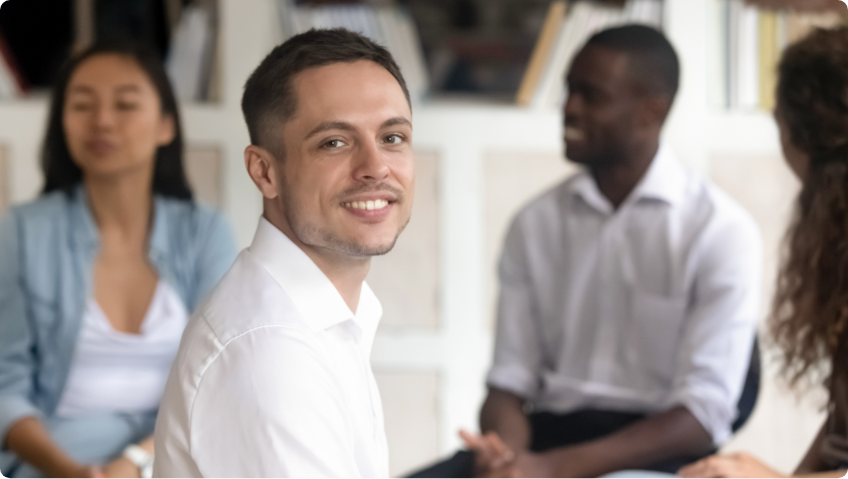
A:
(394, 139)
(334, 144)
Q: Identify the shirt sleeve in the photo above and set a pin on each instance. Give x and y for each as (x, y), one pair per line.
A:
(518, 349)
(216, 256)
(715, 348)
(17, 364)
(268, 406)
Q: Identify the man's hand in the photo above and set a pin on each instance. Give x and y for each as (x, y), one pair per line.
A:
(492, 458)
(531, 464)
(740, 464)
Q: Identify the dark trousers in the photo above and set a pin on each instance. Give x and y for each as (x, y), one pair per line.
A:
(549, 430)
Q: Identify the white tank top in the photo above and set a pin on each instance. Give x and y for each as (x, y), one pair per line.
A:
(113, 371)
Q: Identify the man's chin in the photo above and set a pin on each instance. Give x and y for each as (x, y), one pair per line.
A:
(362, 249)
(576, 155)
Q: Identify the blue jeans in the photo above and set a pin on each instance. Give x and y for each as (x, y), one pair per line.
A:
(90, 439)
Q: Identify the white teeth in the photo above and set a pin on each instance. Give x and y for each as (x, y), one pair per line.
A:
(572, 133)
(367, 205)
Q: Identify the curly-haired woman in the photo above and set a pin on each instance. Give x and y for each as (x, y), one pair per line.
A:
(810, 311)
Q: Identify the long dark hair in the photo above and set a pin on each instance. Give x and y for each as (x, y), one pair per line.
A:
(60, 171)
(810, 315)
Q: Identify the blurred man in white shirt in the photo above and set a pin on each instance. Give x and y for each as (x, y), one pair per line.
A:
(273, 377)
(629, 292)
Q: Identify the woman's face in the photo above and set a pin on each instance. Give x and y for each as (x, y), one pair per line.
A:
(112, 117)
(798, 161)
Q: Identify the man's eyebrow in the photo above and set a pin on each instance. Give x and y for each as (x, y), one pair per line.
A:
(330, 125)
(341, 125)
(398, 120)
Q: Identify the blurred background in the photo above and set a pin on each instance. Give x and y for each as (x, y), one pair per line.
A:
(486, 77)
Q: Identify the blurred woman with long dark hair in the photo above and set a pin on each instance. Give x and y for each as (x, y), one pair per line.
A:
(99, 274)
(810, 314)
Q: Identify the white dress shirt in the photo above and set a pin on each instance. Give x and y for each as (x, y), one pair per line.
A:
(273, 378)
(637, 309)
(113, 371)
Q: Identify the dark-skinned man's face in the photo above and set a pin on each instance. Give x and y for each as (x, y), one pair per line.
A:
(600, 113)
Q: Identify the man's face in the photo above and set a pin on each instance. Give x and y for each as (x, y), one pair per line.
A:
(347, 178)
(600, 111)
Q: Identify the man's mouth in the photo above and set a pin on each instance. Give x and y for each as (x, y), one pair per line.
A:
(574, 134)
(366, 205)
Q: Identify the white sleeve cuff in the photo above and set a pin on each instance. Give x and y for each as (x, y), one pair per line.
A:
(513, 378)
(710, 409)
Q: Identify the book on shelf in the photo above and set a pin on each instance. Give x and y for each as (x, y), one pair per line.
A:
(543, 86)
(746, 58)
(769, 39)
(541, 52)
(12, 82)
(744, 48)
(190, 60)
(391, 27)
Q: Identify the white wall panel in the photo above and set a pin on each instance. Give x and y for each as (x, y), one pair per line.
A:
(203, 166)
(410, 407)
(407, 279)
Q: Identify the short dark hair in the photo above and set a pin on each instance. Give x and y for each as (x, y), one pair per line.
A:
(60, 171)
(654, 63)
(268, 96)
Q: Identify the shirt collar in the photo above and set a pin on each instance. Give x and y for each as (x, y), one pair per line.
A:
(663, 181)
(84, 229)
(314, 295)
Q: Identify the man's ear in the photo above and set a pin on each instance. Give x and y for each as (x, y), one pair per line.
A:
(654, 110)
(262, 168)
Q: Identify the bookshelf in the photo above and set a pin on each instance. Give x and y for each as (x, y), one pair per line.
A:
(182, 32)
(745, 43)
(485, 158)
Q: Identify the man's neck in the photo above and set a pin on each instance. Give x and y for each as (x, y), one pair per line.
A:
(345, 272)
(617, 179)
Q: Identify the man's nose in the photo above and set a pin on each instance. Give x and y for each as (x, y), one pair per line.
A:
(572, 107)
(371, 163)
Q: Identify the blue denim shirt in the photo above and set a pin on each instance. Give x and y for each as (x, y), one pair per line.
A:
(47, 253)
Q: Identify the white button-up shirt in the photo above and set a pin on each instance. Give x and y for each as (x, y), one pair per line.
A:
(637, 309)
(273, 377)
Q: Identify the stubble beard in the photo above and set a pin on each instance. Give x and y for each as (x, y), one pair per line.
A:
(316, 236)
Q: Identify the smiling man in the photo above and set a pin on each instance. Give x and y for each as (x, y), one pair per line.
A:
(629, 292)
(273, 377)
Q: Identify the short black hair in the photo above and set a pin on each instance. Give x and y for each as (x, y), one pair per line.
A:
(654, 63)
(268, 99)
(60, 171)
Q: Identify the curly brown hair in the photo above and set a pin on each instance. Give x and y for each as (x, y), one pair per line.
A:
(810, 310)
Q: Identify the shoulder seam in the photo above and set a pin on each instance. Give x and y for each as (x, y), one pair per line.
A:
(208, 363)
